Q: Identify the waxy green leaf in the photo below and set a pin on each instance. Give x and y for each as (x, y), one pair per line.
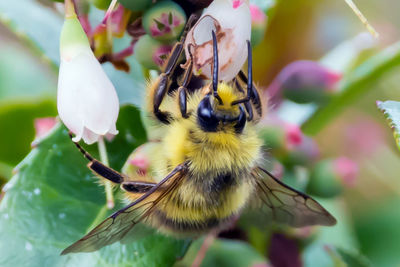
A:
(391, 110)
(54, 199)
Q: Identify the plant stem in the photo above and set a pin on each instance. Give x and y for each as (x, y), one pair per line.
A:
(69, 9)
(207, 242)
(109, 11)
(107, 184)
(363, 19)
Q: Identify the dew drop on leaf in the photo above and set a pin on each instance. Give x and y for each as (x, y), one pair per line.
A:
(28, 246)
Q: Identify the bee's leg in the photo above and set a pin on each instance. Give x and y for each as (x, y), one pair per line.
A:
(112, 175)
(99, 168)
(137, 187)
(182, 90)
(163, 80)
(238, 86)
(254, 95)
(247, 104)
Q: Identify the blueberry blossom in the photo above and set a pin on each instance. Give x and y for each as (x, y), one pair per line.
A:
(231, 21)
(86, 100)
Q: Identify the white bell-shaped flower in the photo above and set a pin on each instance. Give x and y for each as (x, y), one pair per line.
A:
(86, 100)
(231, 21)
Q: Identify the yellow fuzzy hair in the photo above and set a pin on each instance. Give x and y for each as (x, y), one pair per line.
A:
(213, 153)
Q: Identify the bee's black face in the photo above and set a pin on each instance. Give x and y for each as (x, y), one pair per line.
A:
(209, 120)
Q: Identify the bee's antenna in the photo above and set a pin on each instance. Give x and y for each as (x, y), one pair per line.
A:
(215, 69)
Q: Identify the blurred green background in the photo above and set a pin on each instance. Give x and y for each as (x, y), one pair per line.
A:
(368, 213)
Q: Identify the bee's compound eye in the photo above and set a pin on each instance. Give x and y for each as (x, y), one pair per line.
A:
(241, 122)
(205, 115)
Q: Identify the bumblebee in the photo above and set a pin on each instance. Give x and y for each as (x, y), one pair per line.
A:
(207, 165)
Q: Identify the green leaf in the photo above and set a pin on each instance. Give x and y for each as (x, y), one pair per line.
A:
(15, 63)
(223, 252)
(391, 110)
(40, 27)
(353, 86)
(377, 229)
(5, 173)
(17, 127)
(319, 254)
(353, 259)
(36, 24)
(53, 200)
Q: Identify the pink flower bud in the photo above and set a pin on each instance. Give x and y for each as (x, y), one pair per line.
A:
(330, 176)
(346, 169)
(164, 21)
(139, 161)
(294, 136)
(305, 81)
(151, 53)
(43, 126)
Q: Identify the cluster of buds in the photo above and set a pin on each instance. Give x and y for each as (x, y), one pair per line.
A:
(287, 143)
(162, 25)
(292, 149)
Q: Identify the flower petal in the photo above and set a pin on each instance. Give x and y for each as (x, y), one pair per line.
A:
(90, 137)
(86, 97)
(232, 24)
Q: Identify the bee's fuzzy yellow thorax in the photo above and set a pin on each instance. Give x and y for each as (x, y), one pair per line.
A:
(221, 150)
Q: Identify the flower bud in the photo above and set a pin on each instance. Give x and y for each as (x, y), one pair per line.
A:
(87, 102)
(328, 177)
(258, 24)
(150, 53)
(136, 5)
(305, 81)
(43, 126)
(139, 162)
(164, 21)
(231, 21)
(273, 136)
(304, 153)
(282, 139)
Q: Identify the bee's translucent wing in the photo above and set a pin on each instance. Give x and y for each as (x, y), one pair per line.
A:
(118, 225)
(286, 205)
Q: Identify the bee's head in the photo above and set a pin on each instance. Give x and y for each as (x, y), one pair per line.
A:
(214, 115)
(221, 108)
